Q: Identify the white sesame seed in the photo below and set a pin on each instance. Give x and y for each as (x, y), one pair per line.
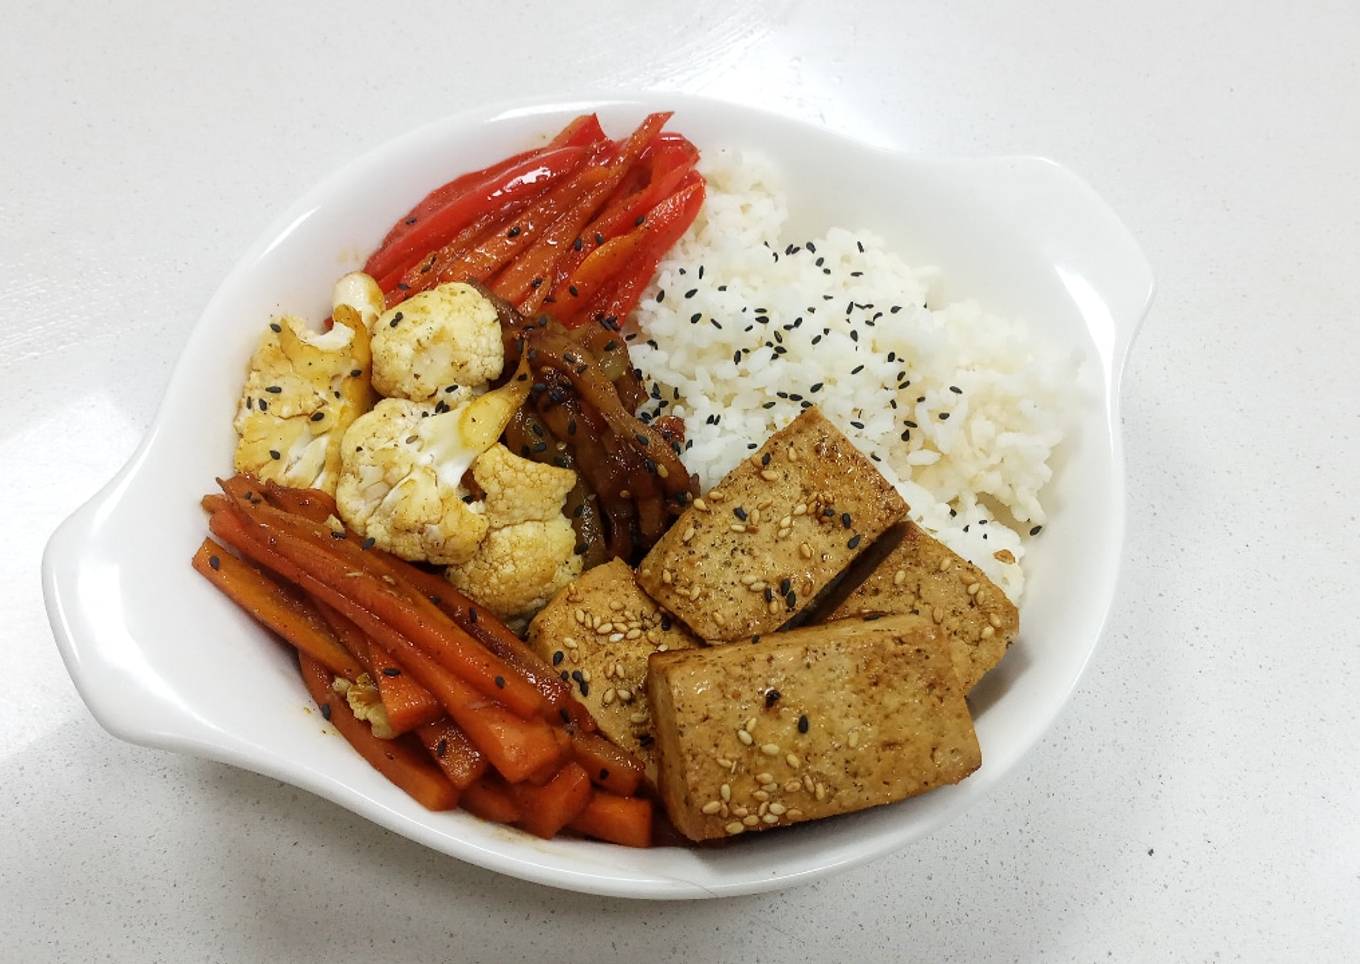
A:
(710, 808)
(783, 533)
(995, 620)
(988, 632)
(585, 676)
(852, 740)
(945, 563)
(739, 811)
(723, 761)
(761, 795)
(785, 522)
(764, 809)
(792, 760)
(625, 694)
(637, 718)
(608, 696)
(701, 505)
(769, 476)
(755, 517)
(770, 749)
(795, 814)
(688, 534)
(745, 737)
(764, 777)
(662, 648)
(807, 782)
(793, 786)
(800, 509)
(749, 725)
(737, 527)
(937, 614)
(769, 819)
(773, 607)
(750, 820)
(805, 551)
(820, 793)
(778, 809)
(758, 585)
(666, 577)
(725, 791)
(899, 577)
(616, 637)
(581, 616)
(734, 828)
(973, 588)
(569, 642)
(747, 579)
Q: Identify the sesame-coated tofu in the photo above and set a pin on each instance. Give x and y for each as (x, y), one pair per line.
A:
(598, 632)
(756, 550)
(924, 577)
(807, 724)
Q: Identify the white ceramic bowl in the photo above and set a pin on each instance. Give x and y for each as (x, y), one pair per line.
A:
(162, 660)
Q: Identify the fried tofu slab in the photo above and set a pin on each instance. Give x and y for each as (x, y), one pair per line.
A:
(758, 548)
(806, 724)
(922, 576)
(599, 631)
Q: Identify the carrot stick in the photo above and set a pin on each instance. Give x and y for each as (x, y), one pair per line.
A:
(214, 502)
(273, 605)
(620, 820)
(608, 765)
(490, 799)
(515, 746)
(313, 504)
(394, 759)
(408, 704)
(347, 569)
(549, 808)
(497, 637)
(453, 752)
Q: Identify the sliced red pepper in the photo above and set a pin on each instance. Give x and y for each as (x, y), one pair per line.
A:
(669, 159)
(596, 271)
(579, 132)
(527, 178)
(664, 225)
(537, 263)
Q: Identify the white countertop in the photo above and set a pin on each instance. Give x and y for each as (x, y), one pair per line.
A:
(1200, 796)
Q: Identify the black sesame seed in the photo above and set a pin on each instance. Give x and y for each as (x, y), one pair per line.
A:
(500, 682)
(513, 232)
(860, 245)
(771, 698)
(368, 543)
(558, 657)
(274, 454)
(391, 671)
(943, 416)
(845, 520)
(472, 614)
(857, 369)
(769, 594)
(802, 723)
(275, 326)
(318, 416)
(765, 459)
(854, 335)
(599, 238)
(691, 292)
(769, 405)
(250, 401)
(854, 542)
(441, 747)
(326, 712)
(784, 586)
(956, 390)
(215, 563)
(273, 389)
(740, 513)
(714, 323)
(1036, 530)
(858, 425)
(694, 318)
(604, 774)
(585, 688)
(791, 599)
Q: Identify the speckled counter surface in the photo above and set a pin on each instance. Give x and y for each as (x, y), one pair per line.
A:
(1199, 799)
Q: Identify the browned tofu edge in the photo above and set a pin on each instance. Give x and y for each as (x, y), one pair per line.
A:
(922, 576)
(617, 702)
(912, 659)
(750, 527)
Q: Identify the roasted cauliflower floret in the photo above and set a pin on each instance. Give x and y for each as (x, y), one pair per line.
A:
(518, 490)
(402, 470)
(448, 336)
(518, 568)
(366, 704)
(302, 392)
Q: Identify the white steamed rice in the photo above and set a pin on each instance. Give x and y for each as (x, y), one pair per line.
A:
(960, 408)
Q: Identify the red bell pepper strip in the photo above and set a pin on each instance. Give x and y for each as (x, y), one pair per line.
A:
(537, 263)
(664, 225)
(662, 168)
(402, 764)
(527, 178)
(580, 132)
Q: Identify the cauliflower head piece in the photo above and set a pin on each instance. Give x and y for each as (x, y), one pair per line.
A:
(447, 336)
(519, 490)
(529, 551)
(366, 704)
(517, 568)
(402, 467)
(303, 390)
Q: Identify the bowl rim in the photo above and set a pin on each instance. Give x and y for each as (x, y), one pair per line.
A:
(63, 555)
